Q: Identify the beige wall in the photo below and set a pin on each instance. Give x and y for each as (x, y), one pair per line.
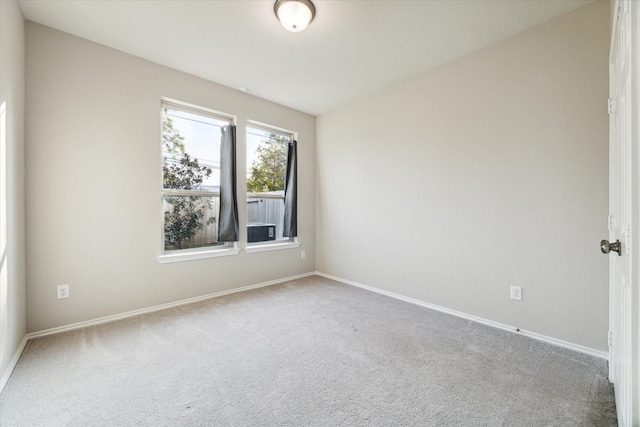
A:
(93, 183)
(12, 92)
(494, 170)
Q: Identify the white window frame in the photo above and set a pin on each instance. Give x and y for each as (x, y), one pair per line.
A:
(270, 245)
(194, 253)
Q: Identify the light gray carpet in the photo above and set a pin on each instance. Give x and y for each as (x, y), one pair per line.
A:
(311, 352)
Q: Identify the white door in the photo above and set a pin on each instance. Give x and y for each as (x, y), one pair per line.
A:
(623, 211)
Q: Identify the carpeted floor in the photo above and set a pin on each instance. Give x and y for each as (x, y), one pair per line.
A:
(311, 352)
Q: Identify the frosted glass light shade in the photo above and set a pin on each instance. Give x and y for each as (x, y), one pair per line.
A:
(294, 15)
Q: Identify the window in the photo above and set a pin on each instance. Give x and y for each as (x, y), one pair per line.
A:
(266, 171)
(4, 247)
(190, 178)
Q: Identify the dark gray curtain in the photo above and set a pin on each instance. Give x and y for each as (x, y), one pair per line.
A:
(228, 224)
(291, 193)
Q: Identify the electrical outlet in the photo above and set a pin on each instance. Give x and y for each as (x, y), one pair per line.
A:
(302, 255)
(63, 291)
(516, 293)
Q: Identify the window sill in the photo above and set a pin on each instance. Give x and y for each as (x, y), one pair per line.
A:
(272, 246)
(189, 256)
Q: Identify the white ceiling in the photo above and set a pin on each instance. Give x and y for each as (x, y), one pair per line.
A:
(352, 47)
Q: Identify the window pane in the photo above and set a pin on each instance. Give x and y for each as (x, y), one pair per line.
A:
(190, 222)
(266, 170)
(191, 166)
(191, 150)
(265, 218)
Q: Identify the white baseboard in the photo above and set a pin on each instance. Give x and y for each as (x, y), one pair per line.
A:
(539, 337)
(12, 364)
(5, 376)
(133, 313)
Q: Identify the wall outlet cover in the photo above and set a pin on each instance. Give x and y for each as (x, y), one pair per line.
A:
(516, 293)
(63, 291)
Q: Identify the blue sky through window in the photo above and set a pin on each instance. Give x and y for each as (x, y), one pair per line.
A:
(201, 139)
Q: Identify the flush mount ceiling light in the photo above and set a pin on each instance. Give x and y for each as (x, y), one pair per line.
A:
(294, 15)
